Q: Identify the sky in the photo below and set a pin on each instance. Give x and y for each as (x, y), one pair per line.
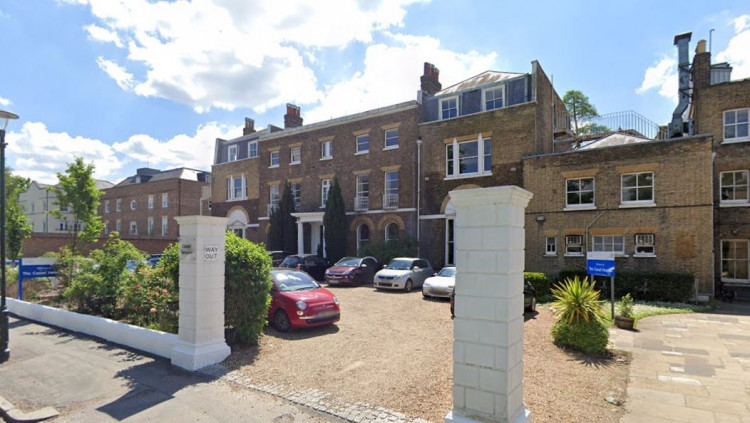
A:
(145, 83)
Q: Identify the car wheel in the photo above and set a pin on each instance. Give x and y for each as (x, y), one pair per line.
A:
(281, 321)
(532, 306)
(408, 286)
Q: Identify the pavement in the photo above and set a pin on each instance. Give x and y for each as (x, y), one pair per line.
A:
(72, 378)
(689, 367)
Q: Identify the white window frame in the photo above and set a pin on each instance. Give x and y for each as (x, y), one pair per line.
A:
(151, 202)
(164, 226)
(164, 200)
(385, 231)
(573, 243)
(106, 226)
(326, 150)
(106, 206)
(500, 88)
(445, 100)
(325, 188)
(297, 196)
(295, 155)
(133, 205)
(550, 252)
(386, 138)
(357, 149)
(232, 194)
(118, 226)
(360, 240)
(232, 153)
(726, 279)
(118, 205)
(450, 240)
(735, 124)
(734, 186)
(133, 228)
(644, 241)
(391, 193)
(274, 196)
(362, 191)
(602, 242)
(150, 226)
(580, 206)
(274, 159)
(252, 149)
(637, 187)
(455, 161)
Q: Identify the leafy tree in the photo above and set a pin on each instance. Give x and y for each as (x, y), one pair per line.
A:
(385, 251)
(334, 221)
(580, 109)
(16, 222)
(77, 189)
(283, 231)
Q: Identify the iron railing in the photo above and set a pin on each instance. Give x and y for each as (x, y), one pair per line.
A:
(390, 201)
(361, 203)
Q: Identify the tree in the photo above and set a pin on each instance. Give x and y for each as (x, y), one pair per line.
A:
(77, 189)
(334, 221)
(16, 222)
(283, 231)
(580, 109)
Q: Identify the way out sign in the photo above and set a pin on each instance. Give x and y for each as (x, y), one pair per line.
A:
(211, 252)
(600, 263)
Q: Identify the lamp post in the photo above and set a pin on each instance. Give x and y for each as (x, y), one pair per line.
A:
(4, 350)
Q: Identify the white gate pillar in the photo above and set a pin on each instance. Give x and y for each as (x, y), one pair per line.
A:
(488, 328)
(202, 254)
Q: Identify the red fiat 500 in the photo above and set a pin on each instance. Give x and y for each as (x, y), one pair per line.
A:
(297, 301)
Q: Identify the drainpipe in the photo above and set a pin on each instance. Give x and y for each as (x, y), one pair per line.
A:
(419, 185)
(586, 231)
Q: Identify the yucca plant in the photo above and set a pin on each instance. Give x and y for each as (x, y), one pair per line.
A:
(576, 301)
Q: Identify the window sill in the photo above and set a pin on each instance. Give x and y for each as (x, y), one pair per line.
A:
(326, 158)
(549, 255)
(467, 176)
(634, 204)
(644, 255)
(735, 140)
(273, 166)
(359, 153)
(235, 199)
(578, 208)
(736, 282)
(393, 147)
(573, 255)
(294, 163)
(727, 204)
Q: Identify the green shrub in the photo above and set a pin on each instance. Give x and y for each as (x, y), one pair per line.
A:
(625, 306)
(247, 289)
(577, 301)
(590, 338)
(169, 265)
(673, 287)
(539, 281)
(385, 251)
(150, 300)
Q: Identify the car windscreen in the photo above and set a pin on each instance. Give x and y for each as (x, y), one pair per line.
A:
(294, 281)
(291, 261)
(448, 272)
(349, 262)
(399, 264)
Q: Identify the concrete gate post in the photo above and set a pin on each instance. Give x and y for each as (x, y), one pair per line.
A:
(488, 328)
(201, 334)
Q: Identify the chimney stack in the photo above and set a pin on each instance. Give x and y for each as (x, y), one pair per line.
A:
(682, 41)
(430, 80)
(701, 66)
(292, 118)
(249, 126)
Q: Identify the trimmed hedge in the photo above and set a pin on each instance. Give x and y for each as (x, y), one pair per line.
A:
(539, 281)
(646, 286)
(590, 338)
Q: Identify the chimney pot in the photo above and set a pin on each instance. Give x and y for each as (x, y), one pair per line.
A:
(430, 80)
(701, 47)
(249, 126)
(292, 118)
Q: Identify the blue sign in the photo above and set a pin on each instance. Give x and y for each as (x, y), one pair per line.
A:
(38, 271)
(600, 263)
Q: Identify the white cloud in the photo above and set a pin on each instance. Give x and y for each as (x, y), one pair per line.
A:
(103, 35)
(662, 76)
(37, 153)
(737, 52)
(232, 53)
(123, 78)
(5, 102)
(382, 83)
(194, 150)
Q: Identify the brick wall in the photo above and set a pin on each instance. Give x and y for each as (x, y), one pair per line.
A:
(680, 220)
(40, 243)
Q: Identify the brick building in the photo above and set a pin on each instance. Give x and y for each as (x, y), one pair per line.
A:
(142, 207)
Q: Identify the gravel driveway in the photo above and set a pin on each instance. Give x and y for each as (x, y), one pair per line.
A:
(394, 350)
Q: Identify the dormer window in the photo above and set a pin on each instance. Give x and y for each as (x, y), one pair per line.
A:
(232, 153)
(448, 107)
(494, 98)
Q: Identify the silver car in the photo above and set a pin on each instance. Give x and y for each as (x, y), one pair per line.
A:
(403, 273)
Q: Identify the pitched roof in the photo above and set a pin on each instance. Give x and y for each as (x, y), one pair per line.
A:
(484, 78)
(613, 139)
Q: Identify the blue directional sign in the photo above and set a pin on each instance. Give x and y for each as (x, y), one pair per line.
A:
(600, 263)
(31, 268)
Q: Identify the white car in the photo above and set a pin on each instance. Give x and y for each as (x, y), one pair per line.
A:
(441, 284)
(403, 273)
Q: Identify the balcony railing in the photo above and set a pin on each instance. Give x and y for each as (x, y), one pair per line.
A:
(361, 203)
(390, 201)
(271, 208)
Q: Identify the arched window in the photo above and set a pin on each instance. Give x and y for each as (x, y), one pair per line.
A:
(391, 232)
(363, 236)
(237, 222)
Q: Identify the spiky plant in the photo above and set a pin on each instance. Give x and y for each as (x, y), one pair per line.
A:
(577, 301)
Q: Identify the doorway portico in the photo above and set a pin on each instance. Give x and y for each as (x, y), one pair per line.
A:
(313, 222)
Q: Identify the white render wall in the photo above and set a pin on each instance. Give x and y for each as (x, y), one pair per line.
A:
(202, 255)
(488, 327)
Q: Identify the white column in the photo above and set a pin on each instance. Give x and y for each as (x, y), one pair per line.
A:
(488, 328)
(202, 255)
(300, 238)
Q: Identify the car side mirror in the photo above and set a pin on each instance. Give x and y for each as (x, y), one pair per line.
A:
(434, 274)
(415, 268)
